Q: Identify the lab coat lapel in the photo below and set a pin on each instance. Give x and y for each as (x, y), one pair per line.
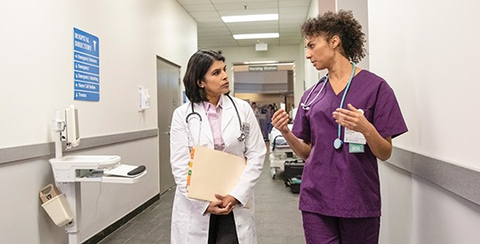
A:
(205, 130)
(228, 113)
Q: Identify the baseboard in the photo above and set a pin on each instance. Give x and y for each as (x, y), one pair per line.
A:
(110, 229)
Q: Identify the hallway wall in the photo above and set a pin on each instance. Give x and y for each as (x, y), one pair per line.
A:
(37, 78)
(431, 62)
(427, 51)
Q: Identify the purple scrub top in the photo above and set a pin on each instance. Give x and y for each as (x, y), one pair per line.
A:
(335, 182)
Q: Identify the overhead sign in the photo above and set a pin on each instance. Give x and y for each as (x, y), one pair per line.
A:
(86, 66)
(262, 68)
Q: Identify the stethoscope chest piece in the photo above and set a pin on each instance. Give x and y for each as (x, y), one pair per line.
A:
(241, 137)
(337, 144)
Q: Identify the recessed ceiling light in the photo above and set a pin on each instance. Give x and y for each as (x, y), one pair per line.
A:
(246, 18)
(256, 36)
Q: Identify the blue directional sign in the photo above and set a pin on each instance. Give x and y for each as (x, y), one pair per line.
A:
(86, 66)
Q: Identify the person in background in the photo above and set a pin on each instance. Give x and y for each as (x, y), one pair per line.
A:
(292, 113)
(275, 108)
(212, 119)
(344, 123)
(268, 121)
(256, 111)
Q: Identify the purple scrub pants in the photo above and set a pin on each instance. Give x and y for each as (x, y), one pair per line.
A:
(321, 229)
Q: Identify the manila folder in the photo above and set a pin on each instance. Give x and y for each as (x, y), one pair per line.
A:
(213, 172)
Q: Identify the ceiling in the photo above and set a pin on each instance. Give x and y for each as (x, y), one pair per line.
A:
(213, 32)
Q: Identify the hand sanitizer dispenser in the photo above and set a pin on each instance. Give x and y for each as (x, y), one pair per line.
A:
(143, 99)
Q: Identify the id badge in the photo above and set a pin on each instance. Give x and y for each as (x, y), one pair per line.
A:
(352, 136)
(246, 128)
(355, 140)
(356, 148)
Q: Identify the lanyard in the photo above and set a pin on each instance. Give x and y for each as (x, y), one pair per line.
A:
(338, 142)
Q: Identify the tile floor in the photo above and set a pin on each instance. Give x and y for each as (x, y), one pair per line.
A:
(278, 220)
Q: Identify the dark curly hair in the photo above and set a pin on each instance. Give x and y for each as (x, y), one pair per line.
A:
(342, 24)
(197, 67)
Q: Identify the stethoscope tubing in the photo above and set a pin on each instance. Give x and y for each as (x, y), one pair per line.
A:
(242, 135)
(306, 106)
(193, 113)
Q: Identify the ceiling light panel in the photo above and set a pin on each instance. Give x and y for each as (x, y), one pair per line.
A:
(256, 36)
(249, 18)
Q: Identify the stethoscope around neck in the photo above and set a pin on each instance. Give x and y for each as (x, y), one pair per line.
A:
(337, 143)
(241, 136)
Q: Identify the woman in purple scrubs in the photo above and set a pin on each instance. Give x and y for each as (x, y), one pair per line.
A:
(344, 124)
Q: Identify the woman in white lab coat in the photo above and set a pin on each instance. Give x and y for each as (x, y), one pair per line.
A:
(212, 119)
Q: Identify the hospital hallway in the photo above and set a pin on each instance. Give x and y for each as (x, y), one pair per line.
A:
(278, 220)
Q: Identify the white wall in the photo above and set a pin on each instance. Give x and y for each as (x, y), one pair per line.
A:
(174, 32)
(415, 211)
(311, 74)
(359, 9)
(427, 51)
(430, 58)
(37, 78)
(397, 211)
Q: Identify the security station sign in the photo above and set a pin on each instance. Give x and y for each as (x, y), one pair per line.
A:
(86, 66)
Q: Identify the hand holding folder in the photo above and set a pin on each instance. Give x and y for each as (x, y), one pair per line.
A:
(212, 172)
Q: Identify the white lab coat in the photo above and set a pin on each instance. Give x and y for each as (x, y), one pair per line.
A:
(189, 221)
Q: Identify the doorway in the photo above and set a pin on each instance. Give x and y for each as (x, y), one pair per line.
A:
(168, 97)
(265, 84)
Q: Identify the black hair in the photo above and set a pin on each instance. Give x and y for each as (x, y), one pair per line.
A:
(342, 24)
(197, 67)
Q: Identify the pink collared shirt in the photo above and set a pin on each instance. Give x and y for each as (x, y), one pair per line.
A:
(214, 115)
